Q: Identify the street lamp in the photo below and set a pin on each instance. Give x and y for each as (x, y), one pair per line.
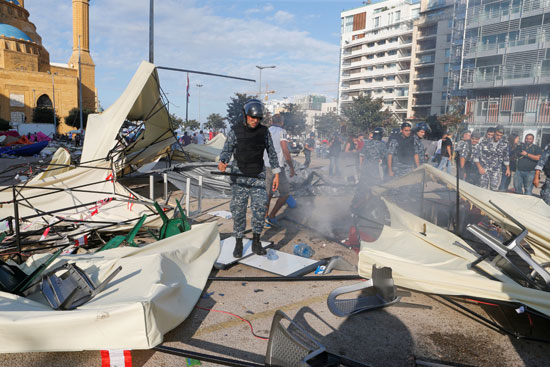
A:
(261, 68)
(200, 86)
(53, 94)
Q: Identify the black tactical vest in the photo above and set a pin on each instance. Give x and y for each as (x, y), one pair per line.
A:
(250, 148)
(405, 150)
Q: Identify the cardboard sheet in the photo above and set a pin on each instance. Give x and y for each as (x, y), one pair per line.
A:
(281, 263)
(226, 252)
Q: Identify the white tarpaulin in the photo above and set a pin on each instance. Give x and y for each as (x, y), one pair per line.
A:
(210, 151)
(156, 290)
(427, 258)
(141, 101)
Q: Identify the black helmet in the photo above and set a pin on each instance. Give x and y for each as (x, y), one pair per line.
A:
(422, 126)
(253, 108)
(378, 133)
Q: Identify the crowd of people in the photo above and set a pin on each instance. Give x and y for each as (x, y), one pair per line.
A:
(197, 138)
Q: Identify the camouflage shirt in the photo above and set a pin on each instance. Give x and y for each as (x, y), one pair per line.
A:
(374, 151)
(492, 154)
(419, 149)
(465, 149)
(543, 158)
(231, 145)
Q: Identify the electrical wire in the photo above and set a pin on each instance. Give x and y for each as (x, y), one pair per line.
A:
(237, 316)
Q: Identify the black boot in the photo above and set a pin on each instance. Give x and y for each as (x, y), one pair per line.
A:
(238, 251)
(257, 245)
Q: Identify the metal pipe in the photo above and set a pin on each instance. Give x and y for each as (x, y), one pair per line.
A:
(152, 31)
(199, 209)
(311, 278)
(205, 73)
(165, 187)
(16, 214)
(188, 196)
(151, 187)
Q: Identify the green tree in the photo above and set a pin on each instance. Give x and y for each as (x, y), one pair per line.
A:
(327, 124)
(365, 113)
(295, 119)
(454, 117)
(215, 121)
(44, 115)
(235, 108)
(191, 125)
(73, 119)
(177, 121)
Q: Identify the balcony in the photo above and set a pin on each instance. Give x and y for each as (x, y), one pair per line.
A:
(426, 59)
(497, 76)
(490, 15)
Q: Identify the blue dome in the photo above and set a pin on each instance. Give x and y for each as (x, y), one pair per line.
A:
(14, 1)
(10, 31)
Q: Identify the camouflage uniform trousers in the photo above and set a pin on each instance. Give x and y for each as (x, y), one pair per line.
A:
(401, 170)
(491, 178)
(243, 188)
(545, 191)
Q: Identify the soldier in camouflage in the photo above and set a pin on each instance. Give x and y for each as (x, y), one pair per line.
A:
(489, 156)
(543, 165)
(246, 143)
(373, 153)
(420, 130)
(464, 153)
(402, 153)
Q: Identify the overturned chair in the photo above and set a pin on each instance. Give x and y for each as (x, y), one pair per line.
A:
(291, 346)
(68, 287)
(538, 277)
(381, 285)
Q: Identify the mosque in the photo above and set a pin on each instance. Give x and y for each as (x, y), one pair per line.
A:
(27, 77)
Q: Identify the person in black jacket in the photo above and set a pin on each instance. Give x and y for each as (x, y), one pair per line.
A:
(401, 153)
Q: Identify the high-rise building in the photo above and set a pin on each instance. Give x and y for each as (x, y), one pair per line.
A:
(437, 52)
(27, 77)
(376, 53)
(506, 65)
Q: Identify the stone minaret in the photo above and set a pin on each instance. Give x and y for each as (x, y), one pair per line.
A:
(81, 31)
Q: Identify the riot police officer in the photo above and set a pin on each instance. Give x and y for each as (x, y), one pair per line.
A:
(402, 156)
(246, 142)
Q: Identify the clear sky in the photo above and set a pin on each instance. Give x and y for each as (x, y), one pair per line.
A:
(300, 37)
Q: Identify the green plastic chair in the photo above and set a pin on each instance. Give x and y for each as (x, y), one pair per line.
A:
(171, 227)
(128, 239)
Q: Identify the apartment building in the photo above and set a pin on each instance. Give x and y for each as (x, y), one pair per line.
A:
(437, 38)
(506, 65)
(376, 53)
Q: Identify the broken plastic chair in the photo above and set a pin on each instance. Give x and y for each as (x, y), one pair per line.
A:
(14, 280)
(291, 346)
(171, 227)
(539, 278)
(384, 295)
(72, 288)
(128, 239)
(337, 263)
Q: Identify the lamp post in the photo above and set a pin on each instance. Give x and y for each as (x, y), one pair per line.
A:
(53, 94)
(200, 86)
(261, 68)
(152, 31)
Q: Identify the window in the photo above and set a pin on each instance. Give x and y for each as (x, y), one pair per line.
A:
(370, 57)
(449, 37)
(381, 54)
(376, 22)
(381, 42)
(445, 81)
(368, 80)
(392, 52)
(380, 67)
(392, 65)
(348, 24)
(443, 96)
(398, 15)
(371, 44)
(519, 104)
(379, 79)
(370, 68)
(482, 107)
(447, 52)
(390, 77)
(389, 90)
(415, 13)
(446, 67)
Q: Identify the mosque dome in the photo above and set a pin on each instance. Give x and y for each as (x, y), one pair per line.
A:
(10, 31)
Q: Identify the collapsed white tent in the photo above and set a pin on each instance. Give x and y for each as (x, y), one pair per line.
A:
(90, 192)
(141, 101)
(427, 258)
(210, 151)
(156, 290)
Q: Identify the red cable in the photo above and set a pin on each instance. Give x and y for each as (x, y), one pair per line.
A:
(483, 303)
(237, 316)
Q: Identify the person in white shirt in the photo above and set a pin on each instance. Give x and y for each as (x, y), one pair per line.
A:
(280, 141)
(200, 137)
